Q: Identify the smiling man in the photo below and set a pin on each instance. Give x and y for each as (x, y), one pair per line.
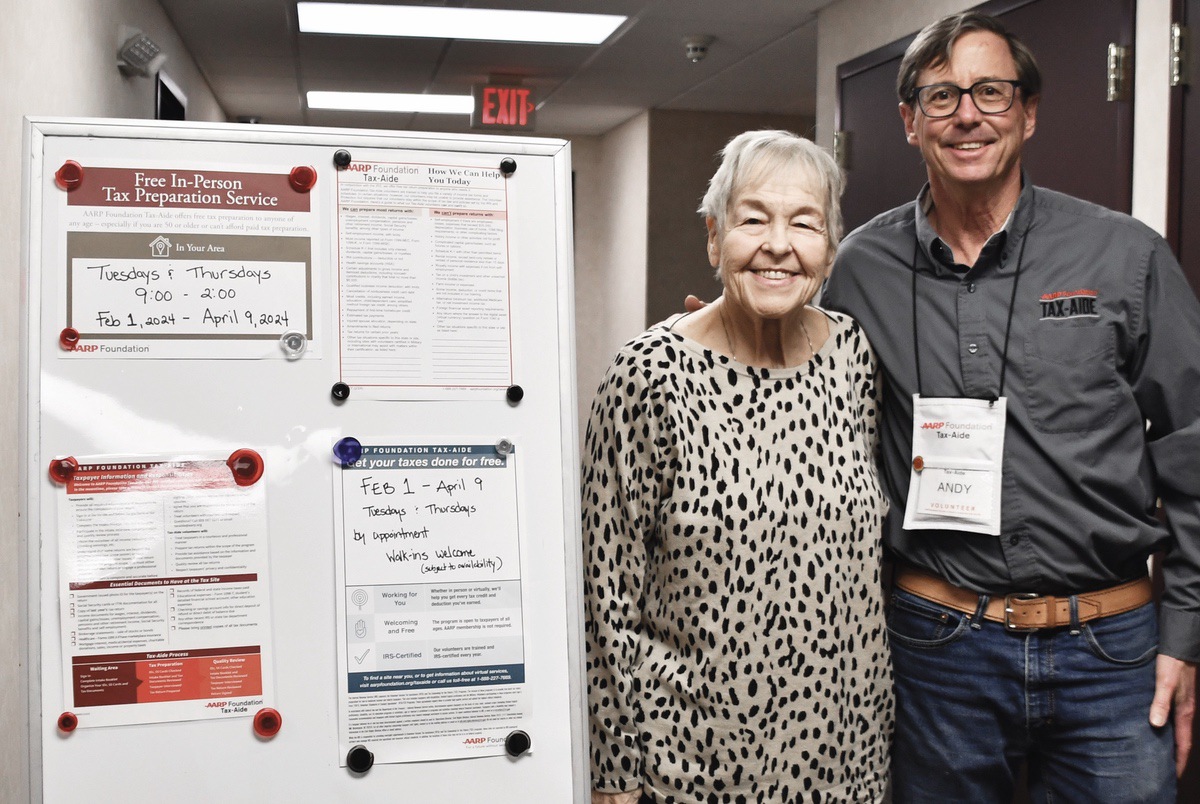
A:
(1041, 367)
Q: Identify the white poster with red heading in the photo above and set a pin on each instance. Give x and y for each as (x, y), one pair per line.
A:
(424, 303)
(164, 594)
(197, 261)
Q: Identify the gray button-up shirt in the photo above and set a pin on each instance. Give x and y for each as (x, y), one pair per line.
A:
(1103, 388)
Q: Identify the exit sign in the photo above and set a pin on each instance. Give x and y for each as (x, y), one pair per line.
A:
(503, 107)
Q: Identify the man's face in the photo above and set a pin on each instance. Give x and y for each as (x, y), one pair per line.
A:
(970, 150)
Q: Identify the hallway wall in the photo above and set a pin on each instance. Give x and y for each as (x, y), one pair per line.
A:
(58, 58)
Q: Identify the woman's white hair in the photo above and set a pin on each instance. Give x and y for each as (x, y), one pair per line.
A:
(750, 152)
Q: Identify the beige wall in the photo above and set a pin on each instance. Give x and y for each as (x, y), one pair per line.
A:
(611, 185)
(1151, 112)
(683, 157)
(58, 58)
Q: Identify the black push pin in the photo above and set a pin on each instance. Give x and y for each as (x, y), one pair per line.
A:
(359, 759)
(515, 394)
(341, 157)
(508, 166)
(340, 391)
(516, 743)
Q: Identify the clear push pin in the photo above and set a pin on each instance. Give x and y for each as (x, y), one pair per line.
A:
(293, 344)
(504, 447)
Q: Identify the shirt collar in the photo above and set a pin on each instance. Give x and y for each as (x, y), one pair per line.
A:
(941, 255)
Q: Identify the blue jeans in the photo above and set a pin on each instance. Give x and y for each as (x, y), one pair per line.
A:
(974, 701)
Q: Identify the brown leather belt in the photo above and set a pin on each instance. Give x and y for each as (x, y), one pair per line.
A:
(1022, 611)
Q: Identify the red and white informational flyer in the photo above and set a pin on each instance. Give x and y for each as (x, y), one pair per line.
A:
(196, 261)
(163, 577)
(424, 299)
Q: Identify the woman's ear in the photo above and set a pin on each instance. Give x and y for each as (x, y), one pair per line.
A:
(714, 246)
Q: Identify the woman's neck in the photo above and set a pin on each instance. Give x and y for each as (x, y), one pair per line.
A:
(762, 343)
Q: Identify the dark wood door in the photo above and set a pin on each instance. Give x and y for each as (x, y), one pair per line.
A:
(1184, 216)
(1183, 232)
(1083, 144)
(882, 170)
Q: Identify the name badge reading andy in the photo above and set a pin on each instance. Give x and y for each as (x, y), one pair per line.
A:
(958, 454)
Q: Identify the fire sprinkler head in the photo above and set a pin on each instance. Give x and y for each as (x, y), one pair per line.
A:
(696, 47)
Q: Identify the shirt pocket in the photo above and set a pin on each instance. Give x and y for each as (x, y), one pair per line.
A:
(1071, 374)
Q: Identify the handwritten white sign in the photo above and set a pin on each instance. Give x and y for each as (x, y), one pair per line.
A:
(431, 601)
(127, 290)
(136, 297)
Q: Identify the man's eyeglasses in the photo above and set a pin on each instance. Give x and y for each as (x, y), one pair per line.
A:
(993, 96)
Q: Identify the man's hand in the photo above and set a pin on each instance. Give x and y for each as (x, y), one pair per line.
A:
(1174, 686)
(631, 797)
(692, 303)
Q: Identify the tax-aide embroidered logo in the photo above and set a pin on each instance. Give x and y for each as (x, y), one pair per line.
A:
(1063, 304)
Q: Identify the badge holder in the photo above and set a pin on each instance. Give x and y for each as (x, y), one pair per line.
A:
(958, 455)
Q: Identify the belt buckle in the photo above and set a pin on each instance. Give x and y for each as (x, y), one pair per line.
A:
(1009, 625)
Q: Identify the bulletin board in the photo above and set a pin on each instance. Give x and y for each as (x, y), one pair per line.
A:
(299, 465)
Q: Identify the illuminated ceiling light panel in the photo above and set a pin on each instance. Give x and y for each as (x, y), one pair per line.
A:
(496, 25)
(391, 102)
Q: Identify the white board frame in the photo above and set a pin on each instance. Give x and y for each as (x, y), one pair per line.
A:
(499, 779)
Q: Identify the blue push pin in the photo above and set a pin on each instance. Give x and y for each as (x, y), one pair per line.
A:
(347, 450)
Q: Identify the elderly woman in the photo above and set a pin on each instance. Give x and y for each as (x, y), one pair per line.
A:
(731, 513)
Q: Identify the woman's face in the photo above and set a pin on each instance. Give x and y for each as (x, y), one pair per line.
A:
(773, 254)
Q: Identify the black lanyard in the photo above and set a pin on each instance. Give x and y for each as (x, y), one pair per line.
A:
(1012, 302)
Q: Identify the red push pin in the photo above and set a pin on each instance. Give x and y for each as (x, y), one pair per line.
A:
(69, 176)
(67, 722)
(63, 469)
(302, 178)
(246, 465)
(267, 722)
(68, 338)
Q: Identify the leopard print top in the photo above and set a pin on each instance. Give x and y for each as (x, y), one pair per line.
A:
(736, 647)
